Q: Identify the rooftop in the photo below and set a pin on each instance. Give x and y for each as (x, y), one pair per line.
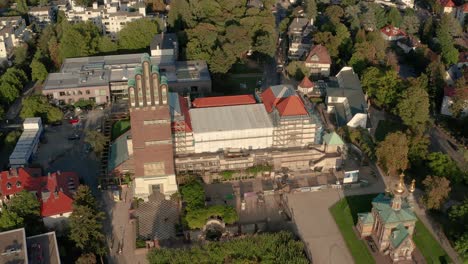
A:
(118, 151)
(54, 191)
(349, 86)
(13, 246)
(318, 54)
(306, 83)
(179, 111)
(332, 139)
(384, 208)
(447, 3)
(229, 118)
(164, 41)
(43, 249)
(223, 101)
(392, 31)
(298, 24)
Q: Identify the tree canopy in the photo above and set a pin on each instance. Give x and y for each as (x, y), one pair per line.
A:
(96, 139)
(264, 248)
(448, 51)
(392, 153)
(442, 165)
(413, 108)
(38, 106)
(137, 34)
(382, 85)
(220, 32)
(436, 192)
(78, 40)
(23, 210)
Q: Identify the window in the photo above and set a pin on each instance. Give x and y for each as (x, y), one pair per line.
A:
(8, 186)
(62, 93)
(157, 142)
(88, 92)
(18, 184)
(80, 92)
(154, 169)
(156, 122)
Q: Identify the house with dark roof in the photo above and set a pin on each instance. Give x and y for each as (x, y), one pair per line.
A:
(16, 248)
(54, 191)
(391, 33)
(318, 61)
(299, 39)
(165, 44)
(346, 99)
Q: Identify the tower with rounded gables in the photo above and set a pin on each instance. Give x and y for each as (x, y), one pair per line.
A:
(151, 131)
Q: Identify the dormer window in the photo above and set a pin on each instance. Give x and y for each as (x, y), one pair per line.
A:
(8, 186)
(18, 184)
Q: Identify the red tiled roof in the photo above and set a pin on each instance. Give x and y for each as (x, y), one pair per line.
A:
(287, 105)
(465, 8)
(306, 83)
(449, 91)
(223, 101)
(58, 186)
(392, 31)
(323, 57)
(291, 106)
(447, 3)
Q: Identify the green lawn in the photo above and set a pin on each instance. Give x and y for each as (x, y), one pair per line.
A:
(429, 247)
(345, 217)
(119, 128)
(345, 214)
(386, 127)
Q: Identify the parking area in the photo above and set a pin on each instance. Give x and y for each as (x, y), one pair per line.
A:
(63, 147)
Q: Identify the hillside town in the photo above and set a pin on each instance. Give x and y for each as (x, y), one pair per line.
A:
(222, 131)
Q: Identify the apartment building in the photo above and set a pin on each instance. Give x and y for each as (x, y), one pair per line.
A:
(41, 15)
(13, 32)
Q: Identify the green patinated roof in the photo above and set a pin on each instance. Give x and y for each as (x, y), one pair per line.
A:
(145, 57)
(332, 139)
(383, 206)
(163, 79)
(138, 70)
(154, 69)
(366, 218)
(118, 152)
(131, 82)
(399, 235)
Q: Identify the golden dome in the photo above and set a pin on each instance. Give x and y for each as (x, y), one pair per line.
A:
(401, 185)
(413, 186)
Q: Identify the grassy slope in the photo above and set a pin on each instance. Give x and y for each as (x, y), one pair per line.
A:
(429, 247)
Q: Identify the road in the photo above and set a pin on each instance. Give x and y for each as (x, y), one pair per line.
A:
(439, 142)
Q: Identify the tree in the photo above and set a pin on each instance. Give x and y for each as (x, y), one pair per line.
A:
(460, 98)
(88, 258)
(2, 113)
(10, 220)
(22, 6)
(428, 30)
(38, 71)
(106, 45)
(448, 51)
(86, 228)
(410, 24)
(383, 86)
(24, 205)
(392, 153)
(413, 108)
(96, 139)
(38, 106)
(21, 55)
(8, 93)
(297, 70)
(418, 149)
(394, 17)
(461, 246)
(193, 195)
(79, 40)
(334, 13)
(284, 24)
(137, 34)
(311, 9)
(84, 197)
(441, 164)
(436, 192)
(15, 77)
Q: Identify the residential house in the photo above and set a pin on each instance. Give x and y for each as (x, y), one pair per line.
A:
(13, 33)
(447, 101)
(41, 15)
(17, 248)
(346, 100)
(306, 86)
(448, 6)
(408, 44)
(299, 39)
(391, 33)
(452, 74)
(54, 191)
(318, 61)
(390, 224)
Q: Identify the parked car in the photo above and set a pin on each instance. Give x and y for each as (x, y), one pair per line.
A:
(74, 137)
(74, 121)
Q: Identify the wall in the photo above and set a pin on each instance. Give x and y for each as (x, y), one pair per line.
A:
(143, 186)
(72, 95)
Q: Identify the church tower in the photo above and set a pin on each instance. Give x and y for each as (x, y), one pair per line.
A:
(151, 131)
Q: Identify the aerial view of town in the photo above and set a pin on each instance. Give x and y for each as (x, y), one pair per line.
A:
(233, 131)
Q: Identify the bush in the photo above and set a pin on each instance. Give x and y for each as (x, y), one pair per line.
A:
(259, 168)
(227, 175)
(197, 218)
(193, 195)
(140, 243)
